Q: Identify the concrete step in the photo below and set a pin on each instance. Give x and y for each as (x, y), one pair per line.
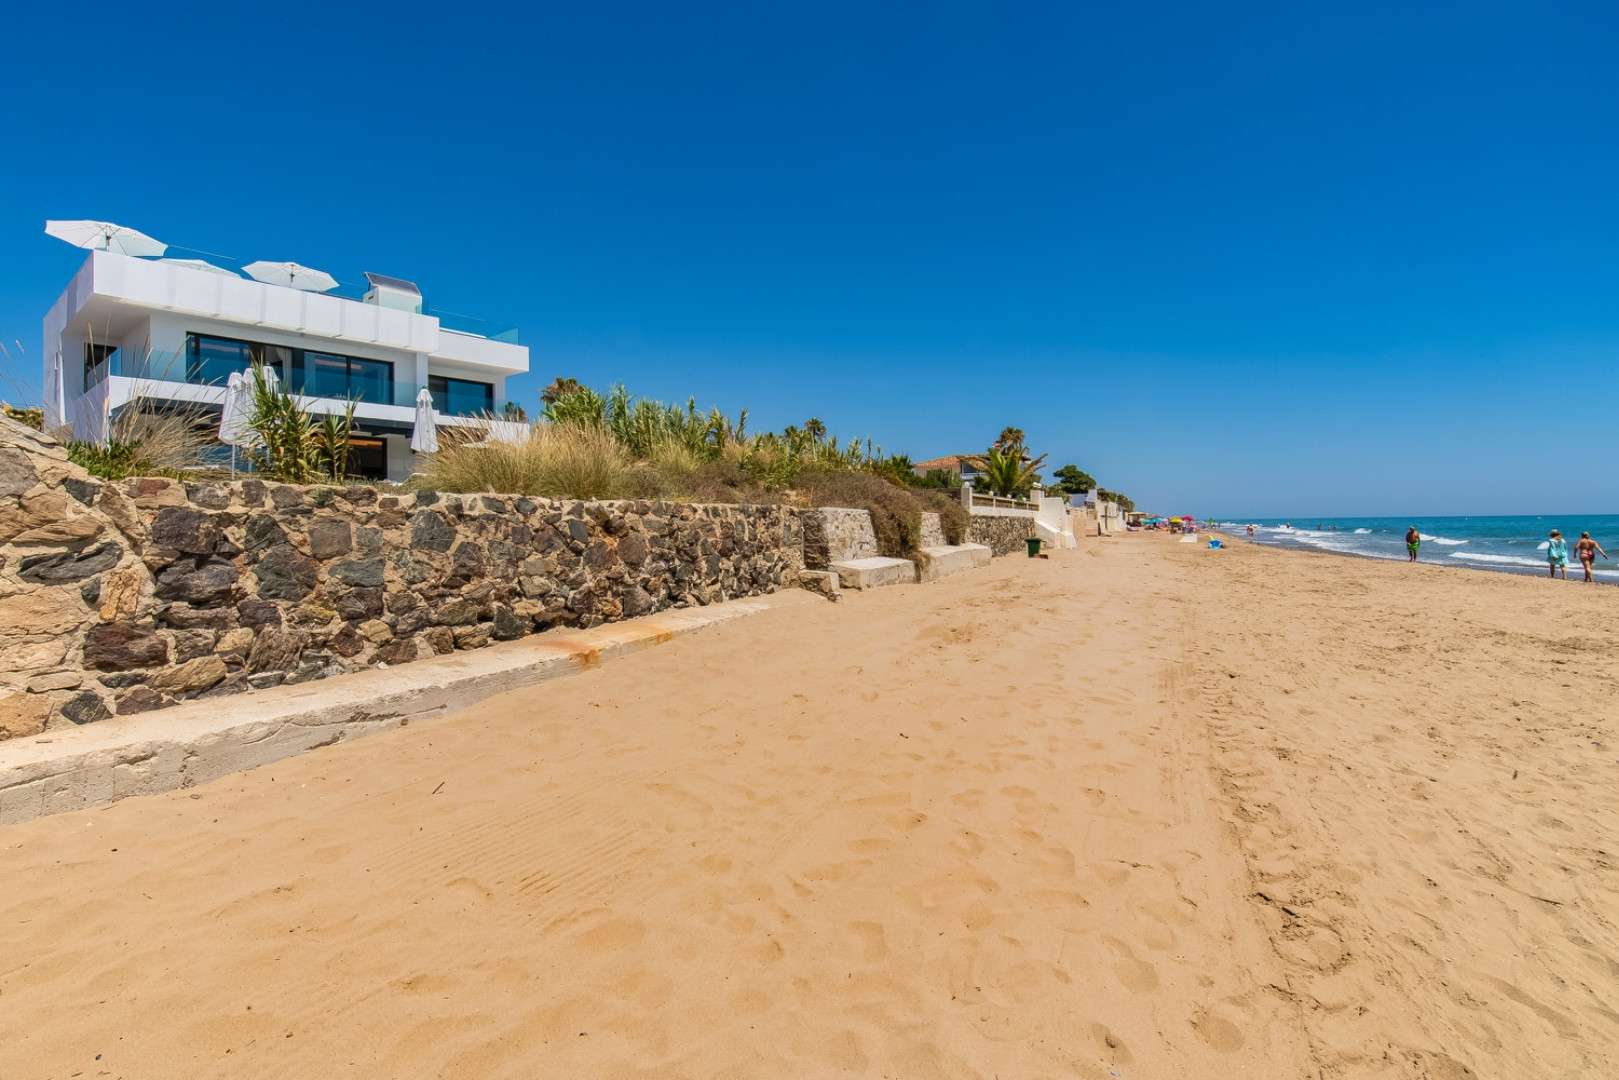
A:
(1053, 537)
(872, 573)
(938, 562)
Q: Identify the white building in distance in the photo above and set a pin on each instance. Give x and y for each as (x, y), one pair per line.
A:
(171, 332)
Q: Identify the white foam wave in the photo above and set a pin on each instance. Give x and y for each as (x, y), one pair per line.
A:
(1514, 560)
(1446, 541)
(1362, 532)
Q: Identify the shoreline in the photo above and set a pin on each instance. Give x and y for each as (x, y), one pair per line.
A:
(1576, 575)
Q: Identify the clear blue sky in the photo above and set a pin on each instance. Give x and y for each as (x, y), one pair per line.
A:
(1233, 259)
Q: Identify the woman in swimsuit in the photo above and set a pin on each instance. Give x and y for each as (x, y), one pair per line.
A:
(1588, 550)
(1413, 540)
(1557, 554)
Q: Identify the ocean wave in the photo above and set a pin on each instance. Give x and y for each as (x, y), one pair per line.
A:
(1447, 542)
(1514, 560)
(1362, 532)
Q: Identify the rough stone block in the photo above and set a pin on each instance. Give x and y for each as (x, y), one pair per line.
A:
(120, 646)
(823, 582)
(330, 538)
(23, 714)
(193, 675)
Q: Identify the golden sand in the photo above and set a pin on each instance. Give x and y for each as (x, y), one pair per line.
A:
(1143, 810)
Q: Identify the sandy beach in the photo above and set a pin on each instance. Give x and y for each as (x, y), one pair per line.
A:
(1143, 810)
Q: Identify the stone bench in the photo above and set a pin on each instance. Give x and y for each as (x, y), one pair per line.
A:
(944, 560)
(874, 572)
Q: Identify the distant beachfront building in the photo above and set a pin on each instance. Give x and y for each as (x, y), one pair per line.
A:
(956, 463)
(172, 331)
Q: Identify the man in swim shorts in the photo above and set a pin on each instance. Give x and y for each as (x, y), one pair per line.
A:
(1413, 540)
(1588, 550)
(1557, 554)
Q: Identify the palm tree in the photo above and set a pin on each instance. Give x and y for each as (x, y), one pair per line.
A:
(559, 389)
(815, 429)
(1004, 472)
(1011, 437)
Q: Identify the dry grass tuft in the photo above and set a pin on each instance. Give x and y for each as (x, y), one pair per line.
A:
(559, 461)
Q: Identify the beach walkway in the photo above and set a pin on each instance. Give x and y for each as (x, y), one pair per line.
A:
(1142, 810)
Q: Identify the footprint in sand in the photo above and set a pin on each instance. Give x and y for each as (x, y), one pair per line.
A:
(1111, 1046)
(1134, 973)
(872, 940)
(1218, 1032)
(615, 932)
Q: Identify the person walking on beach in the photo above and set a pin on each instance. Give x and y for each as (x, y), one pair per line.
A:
(1250, 532)
(1588, 550)
(1557, 554)
(1413, 540)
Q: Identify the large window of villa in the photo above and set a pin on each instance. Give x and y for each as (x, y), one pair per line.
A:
(461, 397)
(212, 359)
(329, 375)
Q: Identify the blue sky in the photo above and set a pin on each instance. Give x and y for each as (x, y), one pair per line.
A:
(1232, 259)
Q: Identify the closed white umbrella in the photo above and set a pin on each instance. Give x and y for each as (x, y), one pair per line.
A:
(233, 429)
(424, 436)
(291, 275)
(233, 416)
(55, 393)
(198, 264)
(105, 236)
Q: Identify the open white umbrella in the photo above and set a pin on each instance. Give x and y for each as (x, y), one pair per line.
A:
(424, 436)
(198, 264)
(105, 236)
(291, 275)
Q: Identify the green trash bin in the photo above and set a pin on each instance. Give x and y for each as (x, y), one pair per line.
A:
(1034, 546)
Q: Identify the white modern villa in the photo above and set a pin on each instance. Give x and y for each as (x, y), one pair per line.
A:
(173, 330)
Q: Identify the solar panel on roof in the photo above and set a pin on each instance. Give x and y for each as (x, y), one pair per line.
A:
(387, 282)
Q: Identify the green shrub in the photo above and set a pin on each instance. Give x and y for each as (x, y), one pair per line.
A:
(284, 446)
(115, 461)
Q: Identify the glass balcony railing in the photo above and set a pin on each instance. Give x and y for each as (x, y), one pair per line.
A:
(95, 376)
(399, 393)
(448, 320)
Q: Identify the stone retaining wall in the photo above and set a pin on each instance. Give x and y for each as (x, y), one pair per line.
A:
(121, 597)
(836, 535)
(1002, 535)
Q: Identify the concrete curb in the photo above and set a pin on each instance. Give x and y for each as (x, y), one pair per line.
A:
(200, 741)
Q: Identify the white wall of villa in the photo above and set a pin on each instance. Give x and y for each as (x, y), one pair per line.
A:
(148, 311)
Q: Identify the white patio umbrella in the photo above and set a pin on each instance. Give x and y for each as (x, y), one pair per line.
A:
(105, 236)
(424, 436)
(291, 275)
(198, 264)
(233, 428)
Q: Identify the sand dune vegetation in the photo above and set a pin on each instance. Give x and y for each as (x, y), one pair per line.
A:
(614, 445)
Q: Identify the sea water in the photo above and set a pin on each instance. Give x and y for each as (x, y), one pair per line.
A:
(1512, 544)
